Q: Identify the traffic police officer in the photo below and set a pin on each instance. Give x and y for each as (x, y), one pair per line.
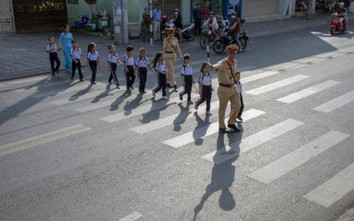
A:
(169, 51)
(227, 69)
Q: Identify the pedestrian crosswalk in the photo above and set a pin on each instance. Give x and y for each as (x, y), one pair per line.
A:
(325, 195)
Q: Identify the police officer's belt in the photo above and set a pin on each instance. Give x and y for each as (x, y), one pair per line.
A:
(225, 85)
(169, 52)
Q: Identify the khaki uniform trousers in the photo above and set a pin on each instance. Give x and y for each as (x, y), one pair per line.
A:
(225, 95)
(170, 66)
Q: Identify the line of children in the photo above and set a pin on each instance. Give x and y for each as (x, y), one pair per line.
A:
(93, 61)
(76, 63)
(112, 60)
(53, 49)
(159, 65)
(205, 88)
(187, 78)
(140, 65)
(129, 69)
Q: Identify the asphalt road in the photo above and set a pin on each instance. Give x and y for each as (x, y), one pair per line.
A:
(69, 151)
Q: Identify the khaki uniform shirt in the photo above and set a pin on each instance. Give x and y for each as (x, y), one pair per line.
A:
(224, 72)
(170, 47)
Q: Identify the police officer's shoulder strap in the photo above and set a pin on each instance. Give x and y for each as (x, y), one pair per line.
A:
(232, 73)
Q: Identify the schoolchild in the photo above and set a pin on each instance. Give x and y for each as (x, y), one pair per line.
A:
(205, 88)
(238, 86)
(129, 69)
(159, 65)
(75, 54)
(142, 63)
(52, 49)
(112, 60)
(187, 78)
(93, 61)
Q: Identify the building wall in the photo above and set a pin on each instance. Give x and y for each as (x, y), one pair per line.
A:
(259, 7)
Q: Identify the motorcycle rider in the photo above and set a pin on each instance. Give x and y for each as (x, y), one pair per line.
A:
(212, 22)
(178, 22)
(341, 15)
(235, 29)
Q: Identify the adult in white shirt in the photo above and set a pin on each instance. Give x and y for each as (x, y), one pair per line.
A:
(211, 22)
(156, 16)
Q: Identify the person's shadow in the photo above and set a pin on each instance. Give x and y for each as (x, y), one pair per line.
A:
(181, 118)
(222, 177)
(199, 130)
(154, 113)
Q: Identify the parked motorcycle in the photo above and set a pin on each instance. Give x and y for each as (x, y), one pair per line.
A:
(186, 33)
(336, 28)
(225, 40)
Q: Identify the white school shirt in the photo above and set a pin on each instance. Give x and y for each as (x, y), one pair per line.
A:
(186, 70)
(92, 56)
(112, 58)
(52, 49)
(142, 63)
(239, 87)
(76, 53)
(161, 67)
(204, 79)
(128, 60)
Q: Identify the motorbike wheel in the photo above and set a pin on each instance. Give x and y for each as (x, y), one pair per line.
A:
(218, 47)
(191, 36)
(333, 31)
(243, 43)
(203, 41)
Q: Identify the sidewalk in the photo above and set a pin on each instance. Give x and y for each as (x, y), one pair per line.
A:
(24, 54)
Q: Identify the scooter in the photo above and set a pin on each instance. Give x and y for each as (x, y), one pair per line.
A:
(207, 36)
(225, 40)
(335, 24)
(186, 33)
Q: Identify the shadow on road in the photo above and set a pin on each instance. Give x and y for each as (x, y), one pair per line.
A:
(222, 175)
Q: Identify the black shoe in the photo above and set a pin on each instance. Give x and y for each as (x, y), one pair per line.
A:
(224, 130)
(180, 96)
(82, 80)
(234, 127)
(175, 86)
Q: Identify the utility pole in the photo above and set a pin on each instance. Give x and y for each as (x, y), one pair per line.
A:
(120, 20)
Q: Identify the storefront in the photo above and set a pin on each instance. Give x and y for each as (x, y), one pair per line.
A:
(259, 8)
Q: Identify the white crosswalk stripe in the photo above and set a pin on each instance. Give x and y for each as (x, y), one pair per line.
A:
(336, 103)
(110, 102)
(289, 162)
(158, 124)
(248, 143)
(60, 91)
(131, 217)
(143, 109)
(277, 85)
(308, 92)
(90, 95)
(334, 189)
(203, 132)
